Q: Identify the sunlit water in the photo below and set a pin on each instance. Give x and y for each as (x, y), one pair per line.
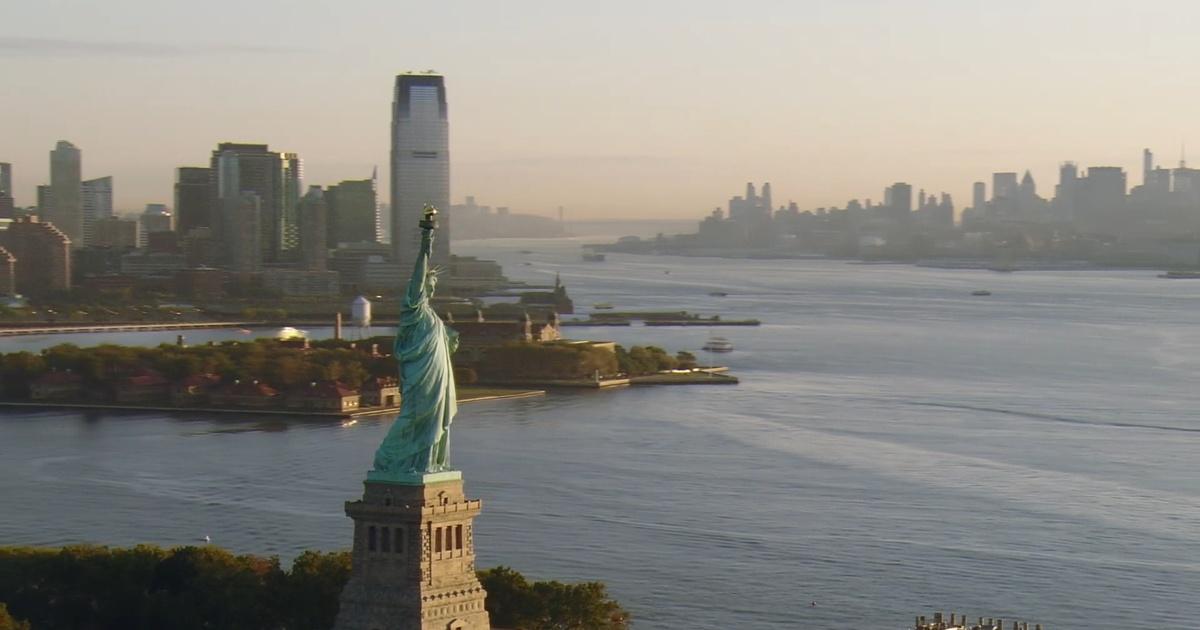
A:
(896, 446)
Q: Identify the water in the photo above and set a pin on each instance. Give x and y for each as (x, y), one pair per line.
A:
(896, 446)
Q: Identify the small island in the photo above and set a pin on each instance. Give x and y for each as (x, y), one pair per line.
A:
(326, 378)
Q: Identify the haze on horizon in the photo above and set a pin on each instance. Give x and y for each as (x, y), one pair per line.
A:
(625, 110)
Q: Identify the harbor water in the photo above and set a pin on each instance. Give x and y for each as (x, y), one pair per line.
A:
(896, 446)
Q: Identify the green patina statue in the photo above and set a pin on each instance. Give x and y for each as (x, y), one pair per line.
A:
(417, 446)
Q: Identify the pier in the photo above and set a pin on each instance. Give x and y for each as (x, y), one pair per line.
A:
(960, 622)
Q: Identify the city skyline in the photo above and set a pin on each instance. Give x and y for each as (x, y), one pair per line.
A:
(627, 113)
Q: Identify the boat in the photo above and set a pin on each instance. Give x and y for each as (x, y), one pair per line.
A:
(602, 306)
(718, 344)
(1180, 275)
(981, 292)
(717, 293)
(526, 251)
(593, 257)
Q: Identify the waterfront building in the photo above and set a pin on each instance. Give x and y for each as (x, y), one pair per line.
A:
(1005, 192)
(114, 232)
(380, 391)
(96, 197)
(193, 198)
(420, 163)
(312, 216)
(42, 252)
(1063, 206)
(353, 212)
(64, 206)
(1101, 199)
(751, 207)
(327, 396)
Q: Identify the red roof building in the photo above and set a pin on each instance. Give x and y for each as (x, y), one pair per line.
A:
(324, 396)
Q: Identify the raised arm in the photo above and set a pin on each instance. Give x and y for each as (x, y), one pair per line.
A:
(416, 284)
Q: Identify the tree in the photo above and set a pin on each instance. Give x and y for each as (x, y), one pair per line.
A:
(514, 602)
(309, 598)
(8, 623)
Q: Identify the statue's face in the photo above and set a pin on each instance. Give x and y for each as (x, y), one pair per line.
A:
(430, 283)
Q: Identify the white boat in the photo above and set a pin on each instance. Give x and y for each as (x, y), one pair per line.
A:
(718, 344)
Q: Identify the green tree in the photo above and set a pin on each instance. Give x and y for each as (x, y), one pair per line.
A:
(309, 600)
(514, 602)
(8, 623)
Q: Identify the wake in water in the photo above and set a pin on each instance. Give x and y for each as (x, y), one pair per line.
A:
(1041, 416)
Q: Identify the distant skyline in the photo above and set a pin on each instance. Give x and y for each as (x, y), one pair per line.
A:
(622, 110)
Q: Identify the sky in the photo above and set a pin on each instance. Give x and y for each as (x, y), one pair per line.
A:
(615, 109)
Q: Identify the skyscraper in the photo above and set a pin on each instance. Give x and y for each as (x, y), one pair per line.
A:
(43, 255)
(1147, 166)
(899, 200)
(312, 214)
(240, 210)
(420, 164)
(353, 215)
(193, 198)
(156, 218)
(6, 178)
(978, 196)
(7, 205)
(268, 175)
(65, 208)
(293, 174)
(96, 197)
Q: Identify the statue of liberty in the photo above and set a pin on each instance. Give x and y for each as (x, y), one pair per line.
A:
(418, 442)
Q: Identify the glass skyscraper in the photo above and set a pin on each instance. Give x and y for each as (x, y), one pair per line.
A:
(65, 207)
(420, 164)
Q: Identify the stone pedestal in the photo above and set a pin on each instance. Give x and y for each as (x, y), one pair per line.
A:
(414, 559)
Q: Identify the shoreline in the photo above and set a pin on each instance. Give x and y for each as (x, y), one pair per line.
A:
(308, 413)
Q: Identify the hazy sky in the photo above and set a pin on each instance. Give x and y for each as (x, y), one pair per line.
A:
(611, 109)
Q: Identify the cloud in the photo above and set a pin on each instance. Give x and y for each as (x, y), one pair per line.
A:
(49, 47)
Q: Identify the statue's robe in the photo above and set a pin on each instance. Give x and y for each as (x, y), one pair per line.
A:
(418, 441)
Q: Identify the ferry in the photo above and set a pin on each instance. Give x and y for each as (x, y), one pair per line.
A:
(981, 292)
(718, 344)
(717, 293)
(593, 257)
(602, 306)
(1180, 275)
